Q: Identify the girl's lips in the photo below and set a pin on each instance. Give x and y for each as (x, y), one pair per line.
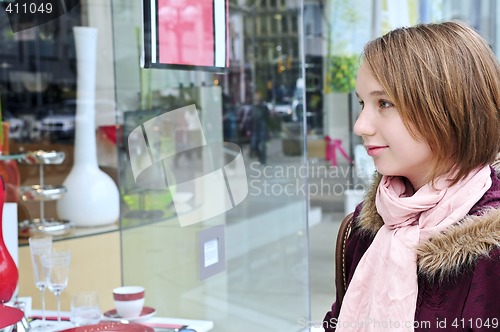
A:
(375, 150)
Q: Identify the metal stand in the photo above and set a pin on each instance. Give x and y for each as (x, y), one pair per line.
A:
(42, 193)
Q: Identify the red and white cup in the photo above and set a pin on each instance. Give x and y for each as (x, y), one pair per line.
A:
(129, 301)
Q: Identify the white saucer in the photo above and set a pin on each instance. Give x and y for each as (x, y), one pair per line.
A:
(50, 325)
(112, 315)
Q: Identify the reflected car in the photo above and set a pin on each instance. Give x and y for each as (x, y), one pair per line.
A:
(59, 123)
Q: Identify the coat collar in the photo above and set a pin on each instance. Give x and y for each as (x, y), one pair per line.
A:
(451, 252)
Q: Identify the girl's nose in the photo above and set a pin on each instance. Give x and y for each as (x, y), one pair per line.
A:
(363, 125)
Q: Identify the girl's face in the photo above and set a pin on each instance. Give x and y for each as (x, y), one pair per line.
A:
(394, 151)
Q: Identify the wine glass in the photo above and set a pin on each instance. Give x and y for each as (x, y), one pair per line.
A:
(40, 246)
(56, 266)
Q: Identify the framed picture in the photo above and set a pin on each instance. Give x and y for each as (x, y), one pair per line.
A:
(186, 34)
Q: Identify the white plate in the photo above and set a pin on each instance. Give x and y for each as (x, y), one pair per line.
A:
(112, 315)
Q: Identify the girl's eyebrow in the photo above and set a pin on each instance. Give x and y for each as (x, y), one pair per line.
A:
(376, 93)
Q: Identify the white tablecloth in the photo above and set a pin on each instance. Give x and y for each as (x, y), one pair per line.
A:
(198, 325)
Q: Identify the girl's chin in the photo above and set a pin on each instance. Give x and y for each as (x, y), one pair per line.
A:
(386, 170)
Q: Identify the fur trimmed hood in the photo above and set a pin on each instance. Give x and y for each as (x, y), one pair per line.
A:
(449, 253)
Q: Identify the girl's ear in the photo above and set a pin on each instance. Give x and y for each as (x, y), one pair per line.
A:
(496, 163)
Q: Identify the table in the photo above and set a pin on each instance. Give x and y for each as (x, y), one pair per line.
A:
(198, 325)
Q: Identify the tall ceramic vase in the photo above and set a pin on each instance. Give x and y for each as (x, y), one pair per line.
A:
(9, 274)
(92, 197)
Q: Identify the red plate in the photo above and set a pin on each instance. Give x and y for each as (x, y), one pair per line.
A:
(111, 326)
(9, 315)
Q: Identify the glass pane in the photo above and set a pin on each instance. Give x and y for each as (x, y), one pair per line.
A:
(215, 231)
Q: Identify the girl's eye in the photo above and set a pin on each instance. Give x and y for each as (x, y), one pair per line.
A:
(385, 104)
(361, 103)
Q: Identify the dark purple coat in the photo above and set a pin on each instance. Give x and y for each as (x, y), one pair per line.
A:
(458, 270)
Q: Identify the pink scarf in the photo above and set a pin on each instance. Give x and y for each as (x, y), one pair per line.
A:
(383, 291)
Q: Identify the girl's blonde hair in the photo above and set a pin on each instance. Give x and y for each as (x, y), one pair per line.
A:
(444, 80)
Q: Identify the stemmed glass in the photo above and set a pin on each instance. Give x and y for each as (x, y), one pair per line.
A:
(39, 247)
(57, 271)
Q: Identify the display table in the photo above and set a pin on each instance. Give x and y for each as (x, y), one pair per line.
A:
(154, 322)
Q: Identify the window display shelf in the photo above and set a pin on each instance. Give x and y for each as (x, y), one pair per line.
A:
(79, 233)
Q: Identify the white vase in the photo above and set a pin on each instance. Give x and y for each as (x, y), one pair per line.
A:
(92, 197)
